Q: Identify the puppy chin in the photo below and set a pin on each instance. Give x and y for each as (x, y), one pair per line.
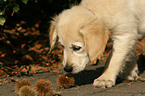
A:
(78, 69)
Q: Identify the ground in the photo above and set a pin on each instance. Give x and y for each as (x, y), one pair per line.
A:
(83, 86)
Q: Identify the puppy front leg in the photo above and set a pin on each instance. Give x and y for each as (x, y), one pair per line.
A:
(122, 46)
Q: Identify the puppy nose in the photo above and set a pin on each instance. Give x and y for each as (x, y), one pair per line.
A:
(68, 68)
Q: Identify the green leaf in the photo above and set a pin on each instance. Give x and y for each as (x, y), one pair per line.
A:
(25, 1)
(2, 20)
(16, 8)
(36, 1)
(1, 13)
(2, 1)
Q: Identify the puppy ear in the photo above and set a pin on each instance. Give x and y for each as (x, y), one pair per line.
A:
(95, 37)
(53, 38)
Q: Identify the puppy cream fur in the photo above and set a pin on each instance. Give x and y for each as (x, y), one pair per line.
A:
(85, 29)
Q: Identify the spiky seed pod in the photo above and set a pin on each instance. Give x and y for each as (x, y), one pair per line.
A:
(43, 87)
(65, 81)
(27, 91)
(21, 83)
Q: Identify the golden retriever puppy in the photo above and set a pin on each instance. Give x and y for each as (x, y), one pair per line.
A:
(84, 30)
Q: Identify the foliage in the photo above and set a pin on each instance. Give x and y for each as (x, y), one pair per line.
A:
(10, 6)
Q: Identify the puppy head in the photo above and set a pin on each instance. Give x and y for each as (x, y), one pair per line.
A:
(81, 35)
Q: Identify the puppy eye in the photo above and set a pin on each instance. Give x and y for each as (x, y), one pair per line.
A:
(76, 48)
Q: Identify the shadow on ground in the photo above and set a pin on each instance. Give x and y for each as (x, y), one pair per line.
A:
(87, 76)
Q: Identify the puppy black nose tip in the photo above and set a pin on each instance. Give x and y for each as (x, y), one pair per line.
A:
(68, 68)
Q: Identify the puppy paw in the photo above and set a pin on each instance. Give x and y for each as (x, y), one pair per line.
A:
(133, 74)
(100, 83)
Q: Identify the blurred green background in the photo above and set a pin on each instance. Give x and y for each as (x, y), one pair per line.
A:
(32, 10)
